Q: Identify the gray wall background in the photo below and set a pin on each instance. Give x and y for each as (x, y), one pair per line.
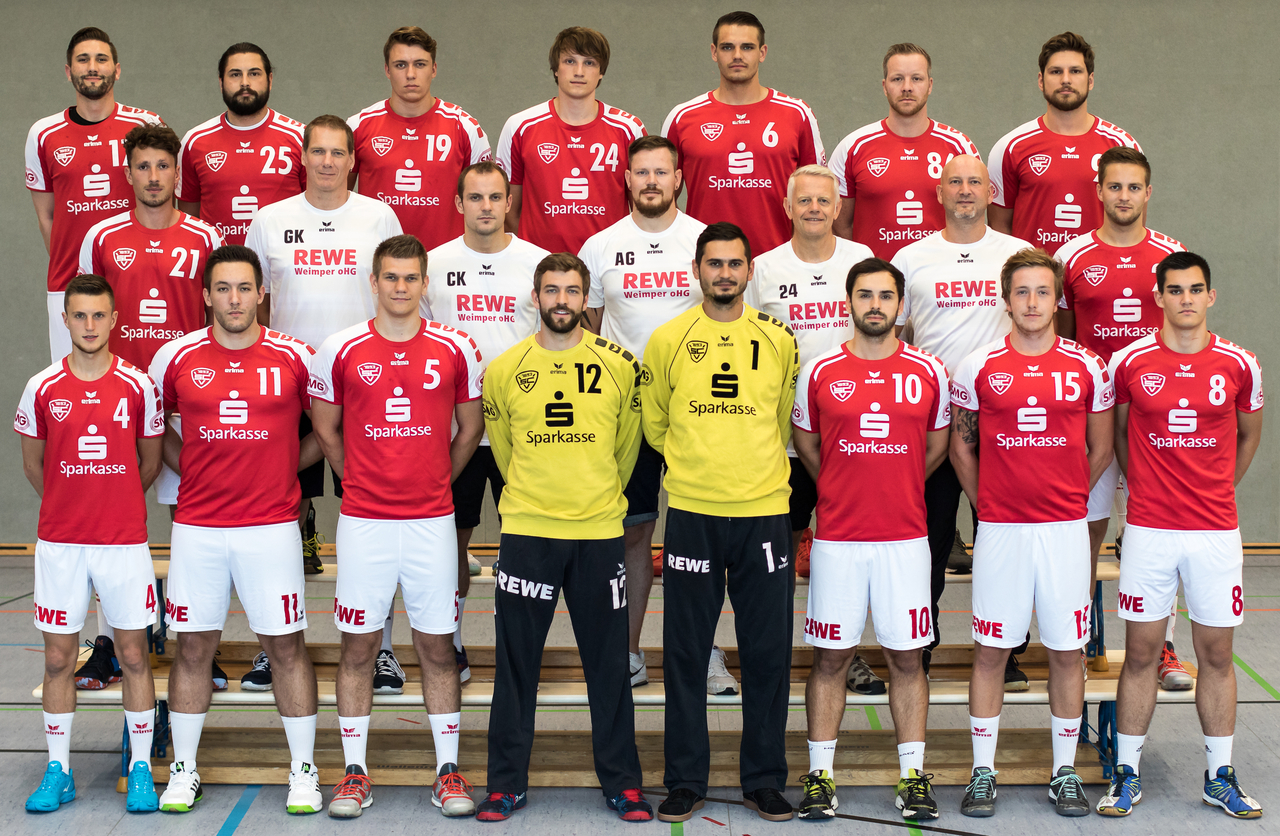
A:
(1193, 81)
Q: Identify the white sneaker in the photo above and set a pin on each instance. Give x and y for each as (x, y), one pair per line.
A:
(639, 673)
(719, 682)
(473, 565)
(184, 789)
(304, 790)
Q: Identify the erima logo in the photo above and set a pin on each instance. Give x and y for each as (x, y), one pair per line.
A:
(141, 726)
(558, 365)
(527, 380)
(411, 131)
(486, 266)
(154, 243)
(1126, 260)
(93, 138)
(1040, 163)
(202, 377)
(451, 728)
(244, 145)
(1152, 383)
(575, 139)
(1000, 382)
(712, 131)
(548, 151)
(873, 374)
(326, 223)
(234, 365)
(1033, 368)
(908, 150)
(215, 159)
(60, 408)
(381, 145)
(878, 166)
(1184, 371)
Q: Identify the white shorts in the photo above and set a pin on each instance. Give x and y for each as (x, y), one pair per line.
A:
(1104, 495)
(1017, 565)
(892, 577)
(375, 555)
(167, 482)
(122, 575)
(59, 336)
(264, 562)
(1210, 564)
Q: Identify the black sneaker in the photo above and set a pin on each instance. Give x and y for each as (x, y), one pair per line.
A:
(959, 561)
(464, 667)
(1014, 678)
(259, 676)
(1066, 791)
(768, 804)
(219, 675)
(926, 656)
(388, 676)
(311, 542)
(819, 802)
(680, 805)
(980, 796)
(1119, 537)
(915, 796)
(101, 668)
(862, 680)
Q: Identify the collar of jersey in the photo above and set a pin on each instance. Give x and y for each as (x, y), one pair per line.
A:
(555, 114)
(235, 352)
(226, 123)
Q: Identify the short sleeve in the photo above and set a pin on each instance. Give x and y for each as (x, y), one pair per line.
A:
(508, 157)
(86, 253)
(940, 412)
(37, 177)
(1003, 173)
(1102, 394)
(325, 381)
(305, 358)
(839, 166)
(470, 369)
(591, 256)
(804, 413)
(900, 262)
(161, 374)
(254, 239)
(811, 150)
(1249, 396)
(964, 383)
(188, 190)
(29, 420)
(151, 410)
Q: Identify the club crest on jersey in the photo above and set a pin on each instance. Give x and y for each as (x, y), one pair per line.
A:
(1152, 383)
(381, 145)
(527, 380)
(878, 166)
(60, 408)
(369, 372)
(1000, 382)
(1040, 163)
(123, 257)
(548, 151)
(65, 154)
(202, 377)
(215, 159)
(1095, 273)
(712, 131)
(842, 390)
(697, 350)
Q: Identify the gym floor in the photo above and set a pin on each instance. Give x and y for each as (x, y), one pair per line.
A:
(1172, 765)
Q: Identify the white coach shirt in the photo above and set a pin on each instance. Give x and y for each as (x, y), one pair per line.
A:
(316, 263)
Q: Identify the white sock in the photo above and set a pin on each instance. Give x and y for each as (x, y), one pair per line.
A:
(1173, 619)
(445, 731)
(185, 729)
(1129, 749)
(57, 735)
(984, 731)
(1066, 734)
(457, 631)
(910, 756)
(141, 726)
(822, 755)
(301, 734)
(104, 629)
(1218, 750)
(355, 740)
(386, 627)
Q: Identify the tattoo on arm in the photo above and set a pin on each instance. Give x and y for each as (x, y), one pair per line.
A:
(966, 421)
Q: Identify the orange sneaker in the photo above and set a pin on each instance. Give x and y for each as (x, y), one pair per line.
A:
(802, 554)
(1173, 677)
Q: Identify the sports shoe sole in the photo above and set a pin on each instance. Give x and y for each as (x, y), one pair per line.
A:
(303, 809)
(1010, 687)
(1212, 802)
(1116, 811)
(751, 805)
(253, 686)
(179, 808)
(697, 805)
(346, 808)
(388, 689)
(822, 814)
(1178, 684)
(914, 815)
(468, 809)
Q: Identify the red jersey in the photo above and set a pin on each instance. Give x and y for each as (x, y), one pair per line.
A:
(240, 411)
(1049, 180)
(736, 160)
(1182, 430)
(412, 164)
(893, 180)
(1033, 461)
(397, 402)
(874, 417)
(571, 176)
(1109, 289)
(233, 172)
(157, 276)
(84, 166)
(92, 491)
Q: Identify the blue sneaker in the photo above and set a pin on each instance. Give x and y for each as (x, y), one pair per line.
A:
(500, 806)
(1224, 791)
(142, 796)
(631, 805)
(1124, 792)
(56, 789)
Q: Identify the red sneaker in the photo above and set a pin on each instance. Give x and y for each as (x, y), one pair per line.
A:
(802, 554)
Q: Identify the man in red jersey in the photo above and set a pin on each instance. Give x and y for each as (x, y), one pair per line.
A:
(1188, 422)
(889, 170)
(384, 394)
(739, 143)
(241, 389)
(567, 158)
(1044, 171)
(76, 165)
(249, 157)
(91, 426)
(876, 405)
(1039, 407)
(411, 147)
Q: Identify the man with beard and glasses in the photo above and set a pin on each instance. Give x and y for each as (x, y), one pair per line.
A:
(640, 279)
(76, 167)
(872, 405)
(888, 169)
(562, 408)
(249, 157)
(1044, 171)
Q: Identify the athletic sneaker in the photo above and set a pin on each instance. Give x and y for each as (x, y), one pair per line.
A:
(915, 796)
(353, 793)
(720, 683)
(311, 542)
(1173, 676)
(802, 553)
(1066, 791)
(959, 561)
(101, 668)
(980, 796)
(142, 796)
(388, 676)
(680, 805)
(500, 806)
(926, 658)
(56, 788)
(657, 565)
(184, 789)
(1224, 791)
(451, 792)
(1014, 678)
(258, 678)
(639, 673)
(473, 565)
(631, 805)
(1119, 537)
(768, 804)
(819, 802)
(862, 680)
(218, 674)
(1124, 791)
(304, 790)
(464, 667)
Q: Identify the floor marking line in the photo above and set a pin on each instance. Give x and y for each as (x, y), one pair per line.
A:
(1256, 677)
(677, 828)
(918, 828)
(237, 813)
(19, 598)
(873, 718)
